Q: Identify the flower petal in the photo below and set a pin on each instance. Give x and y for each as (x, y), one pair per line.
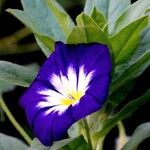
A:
(82, 67)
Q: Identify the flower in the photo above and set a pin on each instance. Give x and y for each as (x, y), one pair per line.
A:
(72, 83)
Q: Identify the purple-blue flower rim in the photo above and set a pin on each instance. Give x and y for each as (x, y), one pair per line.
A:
(71, 84)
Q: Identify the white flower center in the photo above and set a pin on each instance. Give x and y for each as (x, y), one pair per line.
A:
(69, 90)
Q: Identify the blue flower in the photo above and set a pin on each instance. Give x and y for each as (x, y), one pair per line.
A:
(72, 83)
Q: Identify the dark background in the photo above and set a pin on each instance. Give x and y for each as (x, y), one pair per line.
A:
(8, 25)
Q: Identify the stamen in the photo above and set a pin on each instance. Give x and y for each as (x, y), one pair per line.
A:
(70, 97)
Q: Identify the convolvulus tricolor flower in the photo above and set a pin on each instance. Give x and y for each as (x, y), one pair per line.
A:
(72, 83)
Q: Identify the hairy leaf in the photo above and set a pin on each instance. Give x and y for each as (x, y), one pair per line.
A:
(126, 41)
(131, 15)
(8, 142)
(140, 134)
(110, 9)
(126, 111)
(16, 74)
(87, 31)
(122, 85)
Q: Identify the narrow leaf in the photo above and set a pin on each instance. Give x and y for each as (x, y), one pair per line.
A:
(115, 9)
(63, 19)
(5, 86)
(8, 142)
(44, 19)
(126, 111)
(98, 18)
(140, 134)
(44, 41)
(87, 31)
(88, 6)
(129, 14)
(111, 10)
(36, 145)
(15, 74)
(121, 86)
(126, 41)
(78, 143)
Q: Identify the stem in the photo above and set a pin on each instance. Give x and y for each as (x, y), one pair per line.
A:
(17, 48)
(122, 135)
(121, 128)
(14, 122)
(10, 45)
(88, 135)
(15, 37)
(100, 143)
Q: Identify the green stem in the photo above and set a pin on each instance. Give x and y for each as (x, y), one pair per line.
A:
(88, 135)
(121, 128)
(15, 37)
(14, 122)
(100, 143)
(122, 135)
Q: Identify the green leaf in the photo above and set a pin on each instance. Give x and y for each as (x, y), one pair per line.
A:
(59, 144)
(140, 134)
(8, 142)
(36, 145)
(110, 9)
(78, 143)
(89, 5)
(46, 43)
(66, 144)
(126, 41)
(63, 19)
(5, 86)
(85, 35)
(15, 74)
(142, 48)
(44, 19)
(126, 111)
(98, 17)
(101, 5)
(131, 15)
(121, 86)
(115, 9)
(145, 42)
(87, 31)
(73, 131)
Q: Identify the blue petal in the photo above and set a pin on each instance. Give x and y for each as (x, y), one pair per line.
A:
(53, 126)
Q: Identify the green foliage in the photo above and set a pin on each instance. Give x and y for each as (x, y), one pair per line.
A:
(5, 86)
(46, 43)
(65, 22)
(128, 39)
(36, 145)
(66, 144)
(15, 74)
(87, 31)
(127, 110)
(131, 14)
(78, 143)
(41, 20)
(99, 19)
(110, 9)
(8, 142)
(140, 134)
(125, 28)
(121, 87)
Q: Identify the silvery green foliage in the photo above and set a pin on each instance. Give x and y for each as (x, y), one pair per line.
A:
(118, 24)
(8, 142)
